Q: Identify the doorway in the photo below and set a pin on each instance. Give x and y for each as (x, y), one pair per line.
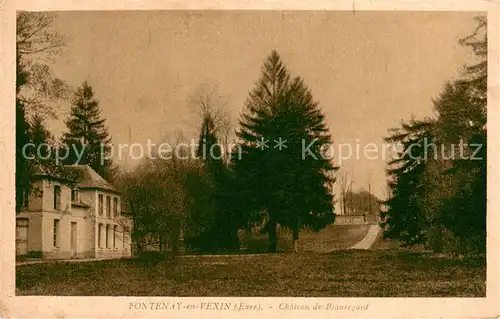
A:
(73, 239)
(22, 236)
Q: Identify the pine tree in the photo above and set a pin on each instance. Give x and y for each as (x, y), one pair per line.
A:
(405, 219)
(42, 140)
(439, 196)
(210, 216)
(202, 186)
(461, 123)
(87, 132)
(281, 169)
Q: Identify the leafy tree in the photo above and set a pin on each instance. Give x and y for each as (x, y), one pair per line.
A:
(87, 138)
(36, 89)
(290, 181)
(361, 203)
(155, 197)
(37, 43)
(345, 183)
(24, 171)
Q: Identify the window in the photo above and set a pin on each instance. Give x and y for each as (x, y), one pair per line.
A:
(107, 235)
(114, 235)
(56, 233)
(108, 206)
(101, 203)
(75, 195)
(115, 206)
(99, 236)
(57, 197)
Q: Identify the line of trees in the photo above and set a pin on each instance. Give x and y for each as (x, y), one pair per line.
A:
(260, 183)
(438, 182)
(36, 90)
(437, 193)
(362, 202)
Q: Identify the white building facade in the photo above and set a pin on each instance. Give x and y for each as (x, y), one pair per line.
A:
(83, 220)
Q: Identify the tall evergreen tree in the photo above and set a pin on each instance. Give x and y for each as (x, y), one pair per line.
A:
(87, 137)
(42, 140)
(404, 218)
(211, 219)
(281, 168)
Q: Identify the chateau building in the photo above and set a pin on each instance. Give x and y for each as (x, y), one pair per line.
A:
(79, 218)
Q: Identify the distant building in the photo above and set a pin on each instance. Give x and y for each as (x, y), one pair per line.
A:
(350, 220)
(83, 220)
(358, 219)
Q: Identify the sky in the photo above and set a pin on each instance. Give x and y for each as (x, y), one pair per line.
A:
(367, 70)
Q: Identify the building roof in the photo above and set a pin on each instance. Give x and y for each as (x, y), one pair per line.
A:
(58, 172)
(88, 178)
(82, 175)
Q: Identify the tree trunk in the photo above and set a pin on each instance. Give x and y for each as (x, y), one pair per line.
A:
(295, 237)
(271, 231)
(138, 245)
(175, 243)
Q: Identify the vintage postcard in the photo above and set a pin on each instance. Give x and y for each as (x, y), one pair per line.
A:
(218, 159)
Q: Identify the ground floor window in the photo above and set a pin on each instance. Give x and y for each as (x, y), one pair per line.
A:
(99, 236)
(22, 236)
(55, 241)
(107, 236)
(114, 236)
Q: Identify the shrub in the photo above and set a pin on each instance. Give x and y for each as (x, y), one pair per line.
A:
(35, 254)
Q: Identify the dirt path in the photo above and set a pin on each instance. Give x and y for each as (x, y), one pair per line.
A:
(369, 240)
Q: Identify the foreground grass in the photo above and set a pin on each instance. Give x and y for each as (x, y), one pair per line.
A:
(379, 273)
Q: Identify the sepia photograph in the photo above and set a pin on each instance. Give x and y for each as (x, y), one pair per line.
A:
(250, 153)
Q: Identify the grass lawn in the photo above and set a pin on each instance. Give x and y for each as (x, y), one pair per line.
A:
(376, 273)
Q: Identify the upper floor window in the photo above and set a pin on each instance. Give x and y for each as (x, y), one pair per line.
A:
(75, 195)
(108, 206)
(115, 206)
(101, 204)
(57, 197)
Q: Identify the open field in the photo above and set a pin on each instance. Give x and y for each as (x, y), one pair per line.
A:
(376, 273)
